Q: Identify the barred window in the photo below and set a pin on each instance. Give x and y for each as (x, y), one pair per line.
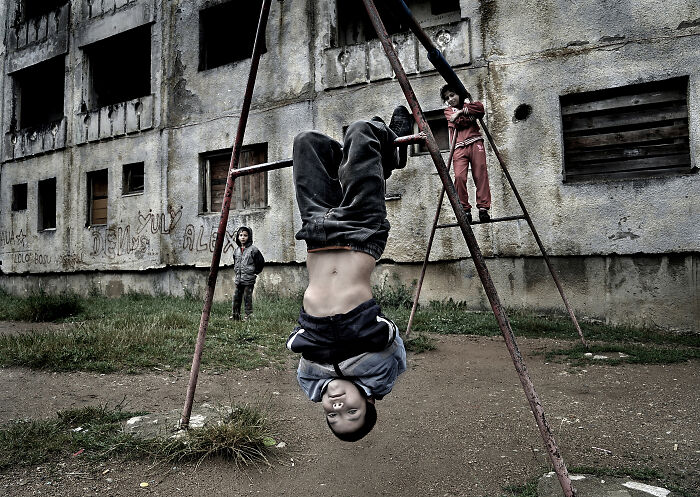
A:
(627, 132)
(249, 191)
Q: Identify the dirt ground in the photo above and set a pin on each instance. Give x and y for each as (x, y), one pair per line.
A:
(456, 424)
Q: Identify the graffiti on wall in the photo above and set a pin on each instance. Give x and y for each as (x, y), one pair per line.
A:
(115, 241)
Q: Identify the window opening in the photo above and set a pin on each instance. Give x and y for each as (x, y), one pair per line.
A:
(218, 43)
(249, 191)
(19, 197)
(36, 8)
(97, 197)
(132, 178)
(39, 91)
(438, 125)
(120, 67)
(355, 27)
(630, 131)
(47, 204)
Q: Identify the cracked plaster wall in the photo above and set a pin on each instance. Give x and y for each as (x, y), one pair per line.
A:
(507, 54)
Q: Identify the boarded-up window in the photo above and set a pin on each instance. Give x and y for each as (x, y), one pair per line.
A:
(97, 197)
(120, 67)
(631, 131)
(132, 178)
(354, 25)
(249, 191)
(47, 204)
(438, 125)
(227, 33)
(19, 197)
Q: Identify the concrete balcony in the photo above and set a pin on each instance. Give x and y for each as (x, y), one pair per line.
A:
(35, 141)
(115, 120)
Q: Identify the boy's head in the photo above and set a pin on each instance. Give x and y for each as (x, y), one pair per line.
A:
(450, 96)
(349, 413)
(243, 236)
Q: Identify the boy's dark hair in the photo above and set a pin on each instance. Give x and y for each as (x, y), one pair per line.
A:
(244, 228)
(445, 89)
(364, 429)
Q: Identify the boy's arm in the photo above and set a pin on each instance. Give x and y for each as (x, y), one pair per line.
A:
(475, 109)
(258, 261)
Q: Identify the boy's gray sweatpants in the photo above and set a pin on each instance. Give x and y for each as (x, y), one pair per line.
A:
(340, 189)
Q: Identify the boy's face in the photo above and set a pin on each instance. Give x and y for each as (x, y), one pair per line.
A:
(243, 237)
(344, 405)
(451, 98)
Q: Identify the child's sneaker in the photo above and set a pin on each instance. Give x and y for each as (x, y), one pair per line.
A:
(484, 216)
(468, 212)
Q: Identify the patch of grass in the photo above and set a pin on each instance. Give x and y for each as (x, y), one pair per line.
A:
(632, 354)
(395, 294)
(138, 331)
(39, 307)
(420, 343)
(244, 437)
(95, 433)
(645, 475)
(529, 489)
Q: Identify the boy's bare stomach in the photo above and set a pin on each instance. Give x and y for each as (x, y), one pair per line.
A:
(339, 281)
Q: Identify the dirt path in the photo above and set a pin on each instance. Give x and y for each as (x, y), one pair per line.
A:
(456, 424)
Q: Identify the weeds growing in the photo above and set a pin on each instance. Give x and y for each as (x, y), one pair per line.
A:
(95, 434)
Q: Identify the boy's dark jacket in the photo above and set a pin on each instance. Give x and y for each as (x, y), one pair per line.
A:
(248, 261)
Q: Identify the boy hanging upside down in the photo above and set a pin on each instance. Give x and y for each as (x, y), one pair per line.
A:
(351, 353)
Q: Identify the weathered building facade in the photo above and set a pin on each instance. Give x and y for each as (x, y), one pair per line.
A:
(117, 117)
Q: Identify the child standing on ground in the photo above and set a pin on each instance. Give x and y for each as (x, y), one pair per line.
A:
(462, 119)
(248, 261)
(351, 353)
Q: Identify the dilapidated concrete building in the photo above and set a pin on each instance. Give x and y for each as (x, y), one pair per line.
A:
(118, 116)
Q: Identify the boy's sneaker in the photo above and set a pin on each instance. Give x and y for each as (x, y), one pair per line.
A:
(234, 317)
(402, 124)
(484, 216)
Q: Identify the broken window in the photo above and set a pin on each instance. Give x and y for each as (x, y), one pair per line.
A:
(227, 33)
(19, 197)
(97, 187)
(132, 178)
(438, 125)
(120, 67)
(47, 204)
(39, 93)
(630, 131)
(354, 25)
(34, 8)
(249, 191)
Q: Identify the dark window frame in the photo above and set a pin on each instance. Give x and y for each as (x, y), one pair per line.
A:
(38, 101)
(119, 67)
(438, 125)
(31, 9)
(628, 132)
(353, 25)
(133, 178)
(227, 33)
(97, 198)
(250, 191)
(46, 199)
(19, 197)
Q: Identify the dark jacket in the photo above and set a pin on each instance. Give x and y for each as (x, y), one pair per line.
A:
(248, 261)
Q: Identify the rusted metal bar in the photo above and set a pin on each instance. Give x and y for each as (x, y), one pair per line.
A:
(450, 76)
(430, 242)
(477, 257)
(493, 220)
(223, 221)
(409, 139)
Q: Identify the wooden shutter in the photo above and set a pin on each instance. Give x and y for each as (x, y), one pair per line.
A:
(632, 131)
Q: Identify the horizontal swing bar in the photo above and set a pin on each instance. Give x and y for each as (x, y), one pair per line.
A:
(493, 220)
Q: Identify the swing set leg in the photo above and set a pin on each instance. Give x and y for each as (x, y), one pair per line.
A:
(499, 312)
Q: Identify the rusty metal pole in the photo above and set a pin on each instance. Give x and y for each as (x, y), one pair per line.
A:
(223, 220)
(430, 242)
(477, 257)
(449, 75)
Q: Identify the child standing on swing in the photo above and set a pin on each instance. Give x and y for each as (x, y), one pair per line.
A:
(462, 119)
(351, 353)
